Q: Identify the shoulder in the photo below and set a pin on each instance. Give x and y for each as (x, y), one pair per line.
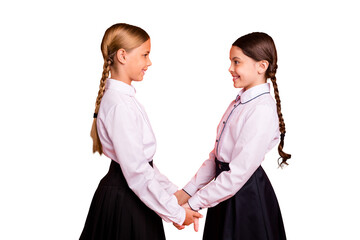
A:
(265, 102)
(263, 108)
(112, 97)
(115, 104)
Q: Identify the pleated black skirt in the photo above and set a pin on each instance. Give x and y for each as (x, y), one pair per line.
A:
(117, 213)
(253, 213)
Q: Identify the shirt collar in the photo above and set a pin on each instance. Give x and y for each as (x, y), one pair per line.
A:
(248, 95)
(120, 86)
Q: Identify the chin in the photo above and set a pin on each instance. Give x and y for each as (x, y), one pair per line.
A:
(236, 85)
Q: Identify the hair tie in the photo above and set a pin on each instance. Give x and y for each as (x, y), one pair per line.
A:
(282, 136)
(95, 115)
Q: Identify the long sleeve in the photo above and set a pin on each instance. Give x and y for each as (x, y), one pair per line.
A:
(165, 182)
(124, 128)
(204, 175)
(254, 137)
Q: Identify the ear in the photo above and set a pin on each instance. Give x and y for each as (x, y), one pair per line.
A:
(121, 56)
(262, 66)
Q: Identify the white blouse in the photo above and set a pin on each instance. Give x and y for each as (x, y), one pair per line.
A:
(247, 131)
(127, 137)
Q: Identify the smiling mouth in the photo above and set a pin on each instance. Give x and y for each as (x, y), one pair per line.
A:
(235, 78)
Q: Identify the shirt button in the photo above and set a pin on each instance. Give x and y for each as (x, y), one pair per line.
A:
(224, 122)
(217, 140)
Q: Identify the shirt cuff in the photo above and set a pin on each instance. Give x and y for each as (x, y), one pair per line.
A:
(190, 189)
(182, 217)
(194, 203)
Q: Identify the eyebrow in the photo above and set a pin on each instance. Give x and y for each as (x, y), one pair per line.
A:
(235, 58)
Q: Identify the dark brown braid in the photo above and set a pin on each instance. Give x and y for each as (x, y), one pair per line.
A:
(260, 46)
(283, 156)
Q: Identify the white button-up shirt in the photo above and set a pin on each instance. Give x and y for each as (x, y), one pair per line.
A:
(127, 138)
(247, 131)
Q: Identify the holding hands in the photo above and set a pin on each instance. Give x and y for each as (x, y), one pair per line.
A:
(191, 216)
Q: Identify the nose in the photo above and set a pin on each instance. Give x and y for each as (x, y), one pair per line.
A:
(231, 70)
(149, 62)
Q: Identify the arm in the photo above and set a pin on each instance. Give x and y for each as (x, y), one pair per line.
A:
(165, 182)
(252, 143)
(204, 175)
(123, 125)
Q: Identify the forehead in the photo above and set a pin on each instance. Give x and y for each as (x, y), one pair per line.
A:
(145, 46)
(236, 52)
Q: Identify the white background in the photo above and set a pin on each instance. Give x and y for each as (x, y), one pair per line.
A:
(51, 65)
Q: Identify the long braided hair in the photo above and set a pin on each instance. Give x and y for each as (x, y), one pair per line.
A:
(118, 36)
(260, 46)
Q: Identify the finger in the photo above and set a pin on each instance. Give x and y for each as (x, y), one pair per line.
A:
(196, 224)
(197, 215)
(179, 227)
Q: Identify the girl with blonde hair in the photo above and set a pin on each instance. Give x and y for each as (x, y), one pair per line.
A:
(134, 196)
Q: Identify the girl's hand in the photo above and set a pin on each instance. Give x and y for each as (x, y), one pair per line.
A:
(186, 206)
(191, 217)
(179, 227)
(182, 196)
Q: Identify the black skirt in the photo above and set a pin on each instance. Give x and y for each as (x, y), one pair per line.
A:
(253, 213)
(117, 213)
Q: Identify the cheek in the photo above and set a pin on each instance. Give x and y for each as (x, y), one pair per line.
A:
(238, 70)
(137, 66)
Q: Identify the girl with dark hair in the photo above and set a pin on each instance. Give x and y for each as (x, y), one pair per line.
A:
(241, 201)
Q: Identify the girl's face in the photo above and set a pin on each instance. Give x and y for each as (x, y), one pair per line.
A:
(138, 61)
(246, 72)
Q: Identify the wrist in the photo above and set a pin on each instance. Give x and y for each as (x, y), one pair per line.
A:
(188, 205)
(186, 192)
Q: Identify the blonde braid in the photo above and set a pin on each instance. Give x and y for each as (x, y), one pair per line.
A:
(93, 133)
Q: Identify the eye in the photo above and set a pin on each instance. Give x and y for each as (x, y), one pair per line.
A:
(236, 62)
